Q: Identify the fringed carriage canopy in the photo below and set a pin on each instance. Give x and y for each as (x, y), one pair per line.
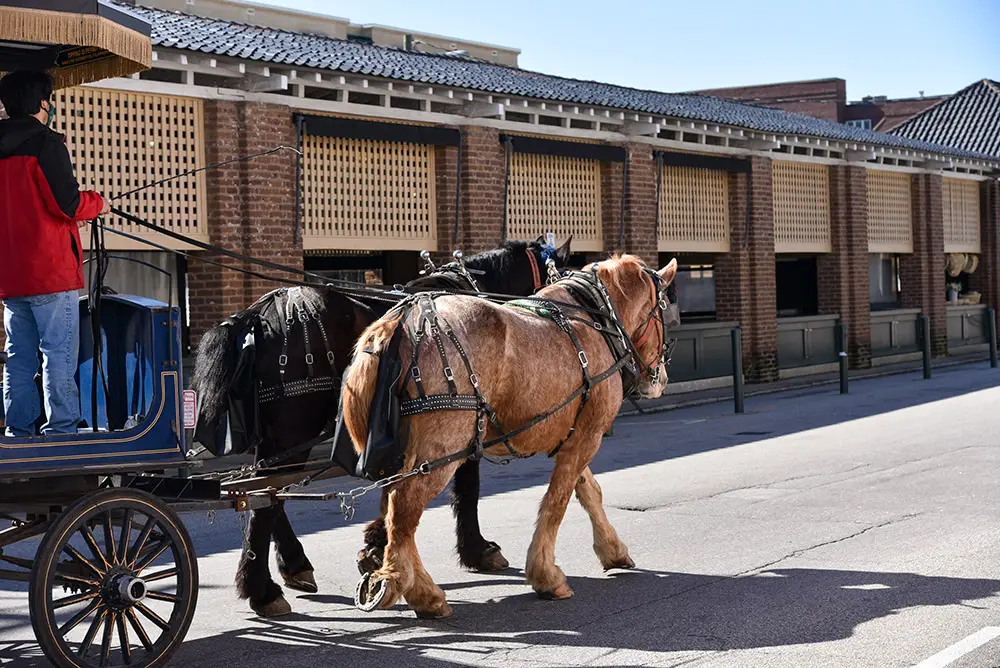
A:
(76, 41)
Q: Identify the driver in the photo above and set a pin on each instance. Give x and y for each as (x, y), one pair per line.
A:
(41, 207)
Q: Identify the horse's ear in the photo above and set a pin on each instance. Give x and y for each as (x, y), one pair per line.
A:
(540, 241)
(562, 253)
(668, 273)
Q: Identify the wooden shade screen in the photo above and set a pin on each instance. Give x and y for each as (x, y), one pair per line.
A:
(121, 141)
(362, 194)
(960, 201)
(694, 210)
(890, 212)
(549, 193)
(801, 207)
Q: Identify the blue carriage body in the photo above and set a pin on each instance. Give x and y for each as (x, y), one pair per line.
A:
(139, 418)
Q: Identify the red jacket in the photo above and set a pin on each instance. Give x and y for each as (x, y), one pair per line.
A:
(40, 204)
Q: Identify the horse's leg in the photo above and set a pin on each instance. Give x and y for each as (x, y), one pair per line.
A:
(403, 572)
(293, 564)
(540, 570)
(253, 577)
(376, 538)
(474, 551)
(608, 547)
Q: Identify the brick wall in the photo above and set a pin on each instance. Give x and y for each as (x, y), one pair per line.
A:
(251, 207)
(640, 205)
(483, 168)
(822, 98)
(843, 273)
(611, 209)
(986, 279)
(445, 178)
(922, 272)
(745, 277)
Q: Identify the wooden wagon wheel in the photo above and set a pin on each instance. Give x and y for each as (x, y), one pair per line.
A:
(115, 583)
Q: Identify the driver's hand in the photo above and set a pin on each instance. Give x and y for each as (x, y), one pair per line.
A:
(105, 205)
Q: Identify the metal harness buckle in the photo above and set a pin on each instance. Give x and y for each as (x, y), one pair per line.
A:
(448, 373)
(584, 362)
(283, 360)
(309, 358)
(329, 357)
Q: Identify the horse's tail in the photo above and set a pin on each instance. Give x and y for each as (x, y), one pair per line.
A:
(213, 371)
(361, 377)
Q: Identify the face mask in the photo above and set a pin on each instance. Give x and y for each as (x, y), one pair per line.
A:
(52, 115)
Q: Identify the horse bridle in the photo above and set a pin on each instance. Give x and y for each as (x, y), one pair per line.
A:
(660, 299)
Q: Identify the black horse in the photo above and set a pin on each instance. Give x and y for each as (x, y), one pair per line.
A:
(303, 341)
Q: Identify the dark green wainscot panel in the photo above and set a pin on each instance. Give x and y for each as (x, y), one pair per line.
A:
(895, 332)
(807, 341)
(967, 326)
(703, 350)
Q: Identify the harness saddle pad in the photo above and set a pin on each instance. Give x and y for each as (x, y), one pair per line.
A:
(384, 453)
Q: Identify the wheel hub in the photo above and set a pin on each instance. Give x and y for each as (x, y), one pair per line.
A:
(124, 589)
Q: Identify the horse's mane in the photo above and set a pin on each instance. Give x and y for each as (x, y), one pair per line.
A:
(611, 271)
(498, 260)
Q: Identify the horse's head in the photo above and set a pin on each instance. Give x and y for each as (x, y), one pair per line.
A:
(517, 267)
(639, 295)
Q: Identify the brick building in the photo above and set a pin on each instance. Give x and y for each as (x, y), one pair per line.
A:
(784, 224)
(827, 99)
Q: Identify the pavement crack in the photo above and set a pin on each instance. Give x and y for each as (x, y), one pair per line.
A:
(749, 571)
(801, 551)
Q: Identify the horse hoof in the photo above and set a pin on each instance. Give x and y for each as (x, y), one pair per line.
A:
(369, 560)
(559, 593)
(304, 582)
(625, 563)
(275, 608)
(370, 593)
(439, 613)
(492, 560)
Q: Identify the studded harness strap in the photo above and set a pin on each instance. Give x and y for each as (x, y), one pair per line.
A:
(296, 307)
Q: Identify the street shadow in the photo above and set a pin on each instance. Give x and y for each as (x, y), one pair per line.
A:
(656, 612)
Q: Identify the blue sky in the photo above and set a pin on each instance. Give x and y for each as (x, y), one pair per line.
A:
(881, 47)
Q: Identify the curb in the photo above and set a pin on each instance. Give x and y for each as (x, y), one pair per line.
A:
(690, 403)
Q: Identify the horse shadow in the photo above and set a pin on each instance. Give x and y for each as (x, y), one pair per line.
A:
(658, 613)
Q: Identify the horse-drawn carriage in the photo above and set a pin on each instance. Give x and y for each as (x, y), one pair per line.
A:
(113, 580)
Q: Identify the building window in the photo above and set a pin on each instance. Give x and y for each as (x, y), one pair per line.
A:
(883, 281)
(696, 290)
(863, 123)
(796, 286)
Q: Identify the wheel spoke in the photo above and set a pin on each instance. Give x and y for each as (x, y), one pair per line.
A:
(80, 616)
(73, 600)
(75, 554)
(133, 620)
(152, 616)
(109, 536)
(88, 537)
(109, 633)
(88, 640)
(123, 639)
(160, 575)
(62, 578)
(121, 554)
(161, 596)
(152, 555)
(140, 542)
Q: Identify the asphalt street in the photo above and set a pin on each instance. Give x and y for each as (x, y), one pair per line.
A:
(815, 530)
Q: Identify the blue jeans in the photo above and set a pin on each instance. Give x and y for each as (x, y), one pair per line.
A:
(50, 323)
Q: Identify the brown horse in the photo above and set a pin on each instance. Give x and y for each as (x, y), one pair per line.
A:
(493, 346)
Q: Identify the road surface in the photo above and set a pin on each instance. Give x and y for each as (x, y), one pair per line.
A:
(815, 530)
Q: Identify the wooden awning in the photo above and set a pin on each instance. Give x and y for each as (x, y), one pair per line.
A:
(77, 41)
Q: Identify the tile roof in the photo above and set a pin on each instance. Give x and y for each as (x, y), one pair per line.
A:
(968, 120)
(227, 38)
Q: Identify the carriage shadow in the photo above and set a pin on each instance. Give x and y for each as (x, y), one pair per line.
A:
(658, 613)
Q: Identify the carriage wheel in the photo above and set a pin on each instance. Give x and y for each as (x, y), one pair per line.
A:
(114, 583)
